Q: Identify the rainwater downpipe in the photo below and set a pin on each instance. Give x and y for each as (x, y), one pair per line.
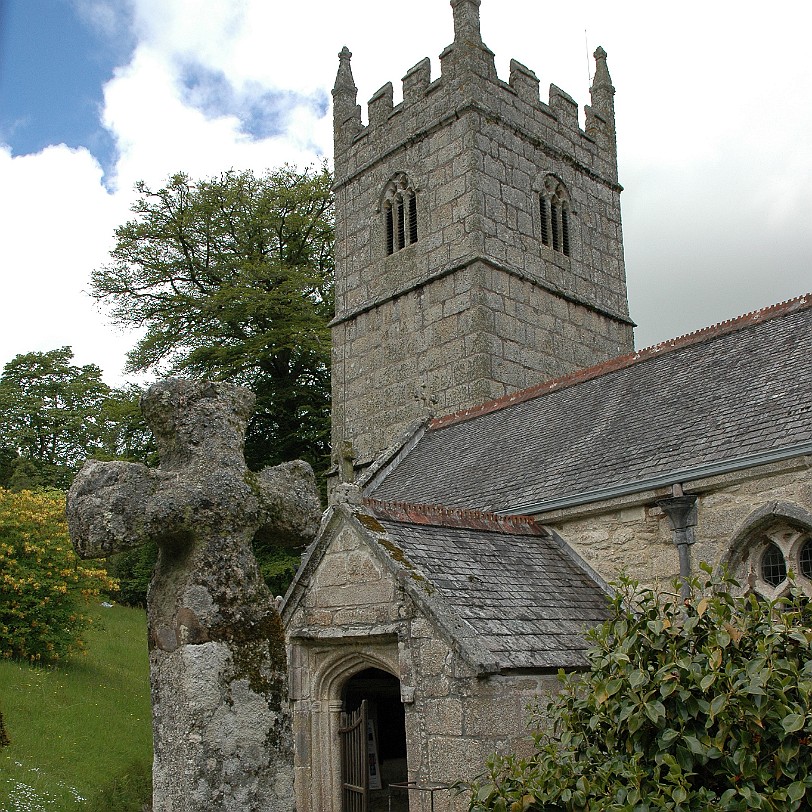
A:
(681, 510)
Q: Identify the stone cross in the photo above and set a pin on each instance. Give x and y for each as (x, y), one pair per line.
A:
(218, 671)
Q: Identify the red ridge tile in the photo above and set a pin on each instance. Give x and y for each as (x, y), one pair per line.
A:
(438, 515)
(623, 361)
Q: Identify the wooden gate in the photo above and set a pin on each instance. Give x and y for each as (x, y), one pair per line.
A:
(354, 765)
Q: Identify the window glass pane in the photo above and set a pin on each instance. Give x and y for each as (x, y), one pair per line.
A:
(805, 559)
(773, 566)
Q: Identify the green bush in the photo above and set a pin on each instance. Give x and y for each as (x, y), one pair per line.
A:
(695, 705)
(133, 570)
(44, 588)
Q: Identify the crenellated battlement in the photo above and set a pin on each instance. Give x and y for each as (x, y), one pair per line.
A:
(478, 238)
(416, 82)
(468, 78)
(524, 83)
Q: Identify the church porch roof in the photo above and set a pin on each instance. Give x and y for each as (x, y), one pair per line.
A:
(504, 584)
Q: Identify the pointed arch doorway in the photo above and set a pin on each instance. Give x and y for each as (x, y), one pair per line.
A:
(376, 758)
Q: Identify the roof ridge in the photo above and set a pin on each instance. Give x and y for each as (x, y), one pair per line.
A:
(717, 330)
(441, 516)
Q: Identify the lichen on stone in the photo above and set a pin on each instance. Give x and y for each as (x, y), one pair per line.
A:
(217, 651)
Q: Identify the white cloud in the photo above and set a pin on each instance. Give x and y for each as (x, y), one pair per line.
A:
(158, 133)
(712, 124)
(103, 15)
(57, 222)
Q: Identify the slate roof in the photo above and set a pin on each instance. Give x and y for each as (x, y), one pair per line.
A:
(502, 584)
(737, 393)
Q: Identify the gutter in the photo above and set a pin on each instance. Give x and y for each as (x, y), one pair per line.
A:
(660, 481)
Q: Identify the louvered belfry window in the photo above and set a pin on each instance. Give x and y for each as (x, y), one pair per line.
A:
(412, 217)
(554, 211)
(399, 214)
(554, 222)
(389, 226)
(544, 209)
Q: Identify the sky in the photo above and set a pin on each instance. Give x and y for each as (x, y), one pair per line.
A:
(712, 106)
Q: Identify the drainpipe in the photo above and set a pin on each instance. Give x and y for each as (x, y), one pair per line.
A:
(682, 516)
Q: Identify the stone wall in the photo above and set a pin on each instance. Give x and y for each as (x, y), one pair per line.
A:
(632, 534)
(460, 340)
(457, 719)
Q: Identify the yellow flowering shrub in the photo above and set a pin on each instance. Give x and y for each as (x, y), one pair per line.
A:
(44, 587)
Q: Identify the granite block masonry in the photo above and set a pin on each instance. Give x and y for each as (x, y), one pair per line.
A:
(479, 247)
(218, 671)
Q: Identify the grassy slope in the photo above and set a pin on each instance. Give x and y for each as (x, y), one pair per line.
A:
(76, 727)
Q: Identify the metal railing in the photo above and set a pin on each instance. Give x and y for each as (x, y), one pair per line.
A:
(413, 786)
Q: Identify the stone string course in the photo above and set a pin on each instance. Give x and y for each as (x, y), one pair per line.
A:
(465, 339)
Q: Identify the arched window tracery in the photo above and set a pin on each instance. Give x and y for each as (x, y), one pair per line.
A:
(775, 555)
(555, 212)
(399, 208)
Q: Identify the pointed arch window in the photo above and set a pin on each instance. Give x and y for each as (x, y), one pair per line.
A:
(555, 213)
(399, 214)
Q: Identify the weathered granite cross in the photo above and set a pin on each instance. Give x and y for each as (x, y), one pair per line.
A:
(218, 676)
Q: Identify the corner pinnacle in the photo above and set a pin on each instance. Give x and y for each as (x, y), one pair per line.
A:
(344, 80)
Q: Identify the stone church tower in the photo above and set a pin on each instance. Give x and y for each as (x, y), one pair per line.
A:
(478, 239)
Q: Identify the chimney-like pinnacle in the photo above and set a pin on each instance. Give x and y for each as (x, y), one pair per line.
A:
(468, 54)
(600, 121)
(466, 21)
(345, 84)
(602, 80)
(346, 113)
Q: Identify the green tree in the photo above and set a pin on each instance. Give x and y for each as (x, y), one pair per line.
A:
(8, 462)
(125, 434)
(51, 415)
(695, 705)
(133, 571)
(54, 415)
(231, 278)
(43, 585)
(25, 476)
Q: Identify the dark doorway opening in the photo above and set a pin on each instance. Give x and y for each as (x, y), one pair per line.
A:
(387, 735)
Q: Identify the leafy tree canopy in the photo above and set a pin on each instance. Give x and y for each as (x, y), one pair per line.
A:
(54, 415)
(696, 705)
(231, 278)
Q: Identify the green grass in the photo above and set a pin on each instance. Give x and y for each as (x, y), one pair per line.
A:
(81, 727)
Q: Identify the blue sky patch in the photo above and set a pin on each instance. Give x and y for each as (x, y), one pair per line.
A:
(53, 65)
(262, 113)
